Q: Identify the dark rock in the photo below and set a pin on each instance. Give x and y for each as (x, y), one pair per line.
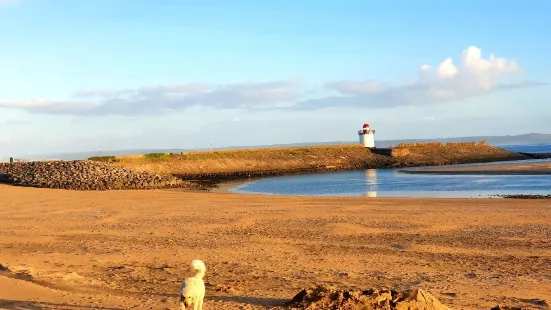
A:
(83, 175)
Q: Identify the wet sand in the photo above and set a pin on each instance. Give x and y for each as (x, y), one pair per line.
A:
(123, 249)
(502, 169)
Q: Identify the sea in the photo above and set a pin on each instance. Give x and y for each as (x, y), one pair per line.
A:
(392, 183)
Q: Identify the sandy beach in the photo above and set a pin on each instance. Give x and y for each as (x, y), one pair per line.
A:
(130, 249)
(516, 168)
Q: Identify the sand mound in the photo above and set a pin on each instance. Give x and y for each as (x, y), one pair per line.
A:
(330, 298)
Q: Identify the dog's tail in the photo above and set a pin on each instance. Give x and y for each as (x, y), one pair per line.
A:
(200, 267)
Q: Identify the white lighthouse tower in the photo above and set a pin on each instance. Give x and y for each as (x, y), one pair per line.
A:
(367, 136)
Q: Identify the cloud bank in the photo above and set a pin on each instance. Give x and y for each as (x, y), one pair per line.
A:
(162, 99)
(473, 76)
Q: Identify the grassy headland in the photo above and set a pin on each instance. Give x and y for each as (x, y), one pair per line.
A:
(277, 161)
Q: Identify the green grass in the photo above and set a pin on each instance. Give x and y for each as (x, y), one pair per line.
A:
(104, 158)
(159, 156)
(271, 153)
(259, 159)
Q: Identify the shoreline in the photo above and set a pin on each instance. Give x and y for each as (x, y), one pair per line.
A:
(225, 188)
(504, 168)
(209, 180)
(217, 166)
(224, 182)
(518, 168)
(206, 170)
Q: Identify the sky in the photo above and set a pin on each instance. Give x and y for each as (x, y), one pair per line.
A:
(132, 74)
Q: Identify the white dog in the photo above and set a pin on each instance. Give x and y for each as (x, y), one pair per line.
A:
(192, 289)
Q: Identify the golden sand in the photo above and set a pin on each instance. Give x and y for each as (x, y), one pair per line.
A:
(122, 249)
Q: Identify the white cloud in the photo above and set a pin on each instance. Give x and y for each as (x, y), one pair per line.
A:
(48, 106)
(356, 87)
(159, 99)
(474, 76)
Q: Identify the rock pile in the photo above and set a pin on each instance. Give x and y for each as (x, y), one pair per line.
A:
(525, 196)
(330, 298)
(82, 175)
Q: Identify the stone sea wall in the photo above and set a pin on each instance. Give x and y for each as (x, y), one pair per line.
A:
(203, 170)
(82, 175)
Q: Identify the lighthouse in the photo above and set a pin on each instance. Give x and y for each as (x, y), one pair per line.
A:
(367, 136)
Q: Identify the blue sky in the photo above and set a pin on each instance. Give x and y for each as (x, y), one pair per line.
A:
(108, 74)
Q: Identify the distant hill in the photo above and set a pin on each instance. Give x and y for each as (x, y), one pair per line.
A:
(525, 139)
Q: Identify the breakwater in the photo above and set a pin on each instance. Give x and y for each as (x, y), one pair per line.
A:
(322, 158)
(200, 170)
(350, 158)
(83, 175)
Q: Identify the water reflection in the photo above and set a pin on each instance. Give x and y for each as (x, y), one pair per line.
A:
(390, 183)
(371, 182)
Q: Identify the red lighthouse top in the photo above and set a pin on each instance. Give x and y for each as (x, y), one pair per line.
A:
(366, 126)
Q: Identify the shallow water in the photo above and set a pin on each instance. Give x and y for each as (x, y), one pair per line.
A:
(392, 183)
(529, 148)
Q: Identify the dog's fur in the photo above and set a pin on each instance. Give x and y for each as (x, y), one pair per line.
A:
(192, 289)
